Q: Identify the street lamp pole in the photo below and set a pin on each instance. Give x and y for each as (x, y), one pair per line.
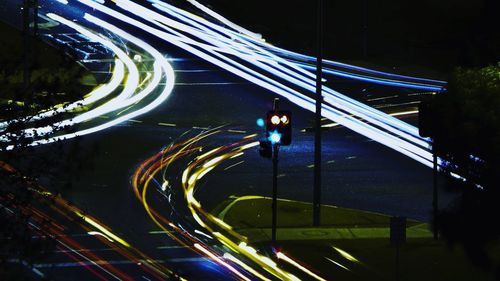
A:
(319, 100)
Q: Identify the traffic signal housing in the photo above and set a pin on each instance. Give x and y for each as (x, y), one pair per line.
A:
(426, 120)
(279, 127)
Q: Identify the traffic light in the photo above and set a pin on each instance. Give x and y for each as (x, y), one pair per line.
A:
(279, 127)
(426, 120)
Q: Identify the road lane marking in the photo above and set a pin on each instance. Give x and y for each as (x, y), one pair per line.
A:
(167, 124)
(383, 98)
(194, 70)
(159, 232)
(208, 83)
(229, 167)
(237, 131)
(171, 247)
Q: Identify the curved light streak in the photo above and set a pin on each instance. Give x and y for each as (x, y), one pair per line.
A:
(160, 65)
(95, 95)
(200, 166)
(130, 85)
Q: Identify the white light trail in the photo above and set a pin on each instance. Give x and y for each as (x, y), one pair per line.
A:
(396, 142)
(97, 94)
(125, 99)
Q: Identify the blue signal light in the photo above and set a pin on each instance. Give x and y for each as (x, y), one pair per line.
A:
(274, 137)
(260, 122)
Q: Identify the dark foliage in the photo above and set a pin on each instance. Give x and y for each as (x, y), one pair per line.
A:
(21, 244)
(55, 79)
(466, 129)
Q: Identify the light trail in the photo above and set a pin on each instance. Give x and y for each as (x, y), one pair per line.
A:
(91, 226)
(307, 61)
(161, 68)
(340, 101)
(411, 131)
(179, 235)
(224, 20)
(98, 93)
(393, 138)
(131, 84)
(254, 60)
(231, 239)
(282, 256)
(194, 171)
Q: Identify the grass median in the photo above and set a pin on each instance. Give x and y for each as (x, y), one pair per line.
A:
(349, 244)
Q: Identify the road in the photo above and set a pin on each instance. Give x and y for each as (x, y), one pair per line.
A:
(358, 172)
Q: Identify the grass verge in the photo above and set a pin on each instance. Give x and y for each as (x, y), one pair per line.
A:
(349, 244)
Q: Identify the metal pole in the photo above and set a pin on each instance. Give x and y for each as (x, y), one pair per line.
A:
(435, 191)
(275, 193)
(365, 28)
(35, 18)
(317, 135)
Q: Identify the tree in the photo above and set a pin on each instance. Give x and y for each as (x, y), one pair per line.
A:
(466, 133)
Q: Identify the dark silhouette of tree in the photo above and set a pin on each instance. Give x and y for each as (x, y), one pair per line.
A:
(466, 133)
(54, 80)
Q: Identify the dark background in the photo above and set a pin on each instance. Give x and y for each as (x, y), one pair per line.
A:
(436, 35)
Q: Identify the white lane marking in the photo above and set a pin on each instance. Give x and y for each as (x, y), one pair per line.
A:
(167, 124)
(229, 167)
(237, 131)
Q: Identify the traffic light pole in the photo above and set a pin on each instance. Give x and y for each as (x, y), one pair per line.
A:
(276, 105)
(317, 127)
(276, 149)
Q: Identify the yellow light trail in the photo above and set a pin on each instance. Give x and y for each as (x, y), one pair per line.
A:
(346, 255)
(103, 229)
(284, 257)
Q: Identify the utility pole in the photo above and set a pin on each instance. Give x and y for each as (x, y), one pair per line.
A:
(26, 44)
(29, 53)
(435, 205)
(35, 18)
(365, 28)
(317, 131)
(427, 128)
